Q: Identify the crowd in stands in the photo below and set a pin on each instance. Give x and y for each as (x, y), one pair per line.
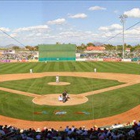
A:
(115, 132)
(20, 55)
(108, 54)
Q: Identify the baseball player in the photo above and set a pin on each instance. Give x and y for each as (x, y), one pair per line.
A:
(31, 71)
(57, 79)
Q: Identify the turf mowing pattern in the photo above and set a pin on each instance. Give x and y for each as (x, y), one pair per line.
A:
(77, 85)
(99, 106)
(113, 67)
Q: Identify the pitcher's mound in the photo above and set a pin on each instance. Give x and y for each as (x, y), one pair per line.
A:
(59, 83)
(52, 100)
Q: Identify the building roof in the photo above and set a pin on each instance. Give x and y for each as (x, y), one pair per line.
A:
(127, 49)
(95, 48)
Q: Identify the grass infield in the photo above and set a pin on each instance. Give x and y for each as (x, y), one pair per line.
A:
(77, 85)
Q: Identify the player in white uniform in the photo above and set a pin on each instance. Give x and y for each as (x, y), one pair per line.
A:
(60, 98)
(57, 79)
(31, 71)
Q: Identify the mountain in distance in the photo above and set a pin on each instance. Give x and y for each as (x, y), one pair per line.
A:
(97, 43)
(8, 46)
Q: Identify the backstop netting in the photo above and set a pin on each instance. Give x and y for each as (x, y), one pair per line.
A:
(57, 52)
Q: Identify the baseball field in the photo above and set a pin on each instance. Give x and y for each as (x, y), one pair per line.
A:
(111, 95)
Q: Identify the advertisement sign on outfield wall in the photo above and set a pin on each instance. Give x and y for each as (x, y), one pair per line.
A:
(5, 61)
(112, 59)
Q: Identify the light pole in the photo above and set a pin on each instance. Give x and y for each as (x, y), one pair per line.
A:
(123, 19)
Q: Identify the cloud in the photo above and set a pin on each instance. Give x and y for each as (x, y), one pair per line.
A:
(112, 27)
(76, 35)
(5, 29)
(95, 8)
(135, 13)
(134, 32)
(32, 28)
(80, 15)
(113, 33)
(13, 34)
(57, 21)
(42, 34)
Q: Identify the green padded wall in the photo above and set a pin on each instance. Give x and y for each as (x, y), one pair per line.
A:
(57, 52)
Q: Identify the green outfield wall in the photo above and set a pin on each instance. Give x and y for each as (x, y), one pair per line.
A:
(57, 52)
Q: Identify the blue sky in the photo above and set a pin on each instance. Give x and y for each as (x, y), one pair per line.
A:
(39, 22)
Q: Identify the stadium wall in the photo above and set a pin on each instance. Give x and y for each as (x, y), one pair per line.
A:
(57, 52)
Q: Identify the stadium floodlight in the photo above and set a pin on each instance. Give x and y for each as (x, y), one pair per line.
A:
(123, 19)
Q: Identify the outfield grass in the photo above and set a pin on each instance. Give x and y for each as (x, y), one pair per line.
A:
(77, 85)
(99, 106)
(115, 67)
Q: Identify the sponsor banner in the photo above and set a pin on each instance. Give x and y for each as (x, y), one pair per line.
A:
(32, 60)
(94, 59)
(13, 61)
(20, 60)
(80, 59)
(97, 59)
(112, 59)
(126, 60)
(23, 60)
(100, 59)
(5, 61)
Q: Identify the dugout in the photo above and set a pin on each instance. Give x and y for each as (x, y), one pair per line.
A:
(57, 52)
